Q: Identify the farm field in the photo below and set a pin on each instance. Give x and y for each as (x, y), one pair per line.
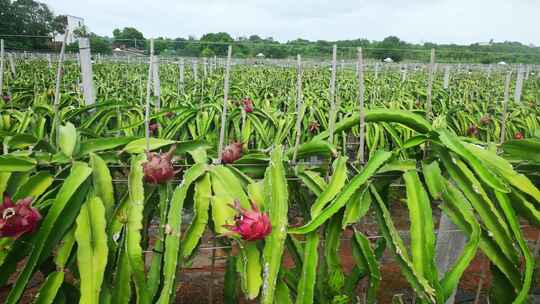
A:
(286, 183)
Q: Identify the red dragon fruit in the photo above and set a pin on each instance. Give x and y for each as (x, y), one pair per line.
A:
(485, 120)
(19, 218)
(472, 130)
(153, 127)
(159, 168)
(248, 104)
(519, 135)
(252, 224)
(313, 127)
(231, 153)
(6, 98)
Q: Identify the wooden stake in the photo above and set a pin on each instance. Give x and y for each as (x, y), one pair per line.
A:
(12, 65)
(332, 94)
(194, 66)
(155, 81)
(446, 81)
(519, 84)
(505, 106)
(182, 72)
(86, 71)
(430, 84)
(361, 89)
(225, 101)
(148, 92)
(299, 106)
(1, 67)
(57, 88)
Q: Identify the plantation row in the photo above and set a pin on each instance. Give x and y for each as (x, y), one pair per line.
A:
(68, 214)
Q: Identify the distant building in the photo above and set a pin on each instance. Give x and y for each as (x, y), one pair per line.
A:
(73, 23)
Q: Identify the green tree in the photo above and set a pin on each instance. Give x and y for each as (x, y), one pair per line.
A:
(217, 42)
(129, 37)
(391, 47)
(26, 17)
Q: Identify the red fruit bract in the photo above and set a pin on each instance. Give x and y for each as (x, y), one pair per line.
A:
(248, 104)
(159, 168)
(19, 218)
(252, 224)
(6, 98)
(518, 135)
(231, 153)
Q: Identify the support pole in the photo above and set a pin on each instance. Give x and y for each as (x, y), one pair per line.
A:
(86, 71)
(361, 101)
(225, 101)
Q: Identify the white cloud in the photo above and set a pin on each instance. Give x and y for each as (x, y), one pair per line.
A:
(455, 21)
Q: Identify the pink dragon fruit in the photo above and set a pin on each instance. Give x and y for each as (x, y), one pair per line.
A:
(248, 104)
(313, 127)
(19, 218)
(159, 168)
(231, 153)
(252, 224)
(472, 131)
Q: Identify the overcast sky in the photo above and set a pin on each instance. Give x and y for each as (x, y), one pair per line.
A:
(442, 21)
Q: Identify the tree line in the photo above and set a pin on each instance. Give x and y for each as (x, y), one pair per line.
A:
(32, 18)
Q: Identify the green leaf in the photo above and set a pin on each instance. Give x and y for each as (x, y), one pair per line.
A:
(275, 186)
(485, 174)
(172, 239)
(35, 186)
(91, 249)
(134, 227)
(334, 186)
(103, 185)
(50, 288)
(374, 163)
(139, 145)
(419, 283)
(103, 144)
(422, 229)
(363, 248)
(250, 268)
(306, 285)
(203, 192)
(11, 163)
(79, 173)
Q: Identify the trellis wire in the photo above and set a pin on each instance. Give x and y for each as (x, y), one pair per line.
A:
(225, 101)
